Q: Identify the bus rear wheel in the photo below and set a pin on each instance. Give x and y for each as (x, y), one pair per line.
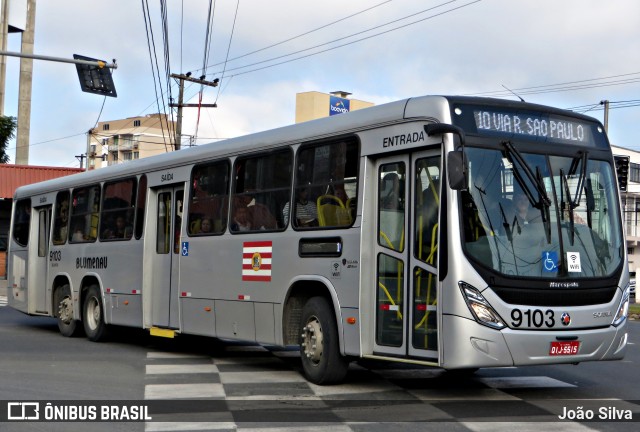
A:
(319, 349)
(93, 314)
(63, 304)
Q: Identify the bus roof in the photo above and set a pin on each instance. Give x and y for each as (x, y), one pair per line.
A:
(343, 124)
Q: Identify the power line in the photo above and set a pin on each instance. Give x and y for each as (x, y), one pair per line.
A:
(300, 35)
(149, 32)
(349, 36)
(51, 140)
(267, 47)
(565, 86)
(228, 49)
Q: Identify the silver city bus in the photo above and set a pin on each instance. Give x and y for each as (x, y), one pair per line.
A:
(443, 231)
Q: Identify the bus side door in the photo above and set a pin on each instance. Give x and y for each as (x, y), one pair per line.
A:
(39, 260)
(165, 259)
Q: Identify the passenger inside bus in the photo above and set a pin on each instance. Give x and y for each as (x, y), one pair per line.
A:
(524, 213)
(78, 233)
(392, 191)
(118, 230)
(241, 219)
(306, 212)
(205, 226)
(60, 236)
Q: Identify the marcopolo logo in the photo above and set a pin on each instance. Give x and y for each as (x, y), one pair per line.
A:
(338, 105)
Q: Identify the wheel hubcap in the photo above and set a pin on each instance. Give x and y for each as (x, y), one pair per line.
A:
(312, 340)
(93, 313)
(65, 310)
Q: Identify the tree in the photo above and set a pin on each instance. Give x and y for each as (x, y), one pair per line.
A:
(7, 130)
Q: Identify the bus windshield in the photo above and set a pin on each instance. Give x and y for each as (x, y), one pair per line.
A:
(544, 216)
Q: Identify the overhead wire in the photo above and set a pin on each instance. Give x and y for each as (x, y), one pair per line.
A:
(267, 47)
(346, 37)
(150, 43)
(349, 36)
(205, 57)
(235, 17)
(566, 86)
(302, 34)
(167, 59)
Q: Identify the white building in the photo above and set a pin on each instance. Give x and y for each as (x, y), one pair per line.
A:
(631, 206)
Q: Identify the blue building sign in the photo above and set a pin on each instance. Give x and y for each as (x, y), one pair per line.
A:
(338, 105)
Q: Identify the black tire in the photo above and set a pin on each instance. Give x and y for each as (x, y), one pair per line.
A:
(93, 315)
(319, 348)
(63, 311)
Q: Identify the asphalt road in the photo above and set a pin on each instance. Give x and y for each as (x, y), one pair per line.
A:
(193, 384)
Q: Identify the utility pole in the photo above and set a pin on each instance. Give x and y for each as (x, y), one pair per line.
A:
(24, 92)
(182, 78)
(81, 159)
(606, 115)
(4, 32)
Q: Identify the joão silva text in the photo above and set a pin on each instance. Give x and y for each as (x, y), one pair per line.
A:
(604, 413)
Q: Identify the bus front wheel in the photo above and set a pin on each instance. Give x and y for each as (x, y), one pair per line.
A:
(319, 348)
(63, 304)
(94, 325)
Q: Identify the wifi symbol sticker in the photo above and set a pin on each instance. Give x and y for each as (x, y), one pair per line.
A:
(573, 262)
(336, 272)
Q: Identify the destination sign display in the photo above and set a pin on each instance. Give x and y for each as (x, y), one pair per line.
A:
(528, 124)
(556, 129)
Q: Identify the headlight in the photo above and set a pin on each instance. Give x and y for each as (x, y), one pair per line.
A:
(480, 308)
(623, 309)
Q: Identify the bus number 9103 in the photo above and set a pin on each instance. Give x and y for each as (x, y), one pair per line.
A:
(532, 318)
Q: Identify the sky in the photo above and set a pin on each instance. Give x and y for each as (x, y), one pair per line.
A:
(568, 54)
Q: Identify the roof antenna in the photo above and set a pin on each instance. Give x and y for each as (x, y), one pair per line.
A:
(514, 93)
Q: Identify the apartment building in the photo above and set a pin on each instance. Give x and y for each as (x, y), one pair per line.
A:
(118, 141)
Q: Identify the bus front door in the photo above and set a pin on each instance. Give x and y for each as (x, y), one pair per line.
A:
(406, 253)
(165, 265)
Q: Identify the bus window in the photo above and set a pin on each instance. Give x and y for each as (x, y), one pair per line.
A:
(392, 179)
(140, 205)
(84, 214)
(427, 204)
(209, 199)
(262, 188)
(326, 185)
(61, 220)
(117, 214)
(21, 221)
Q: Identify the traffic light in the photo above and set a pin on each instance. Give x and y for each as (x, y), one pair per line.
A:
(95, 79)
(622, 170)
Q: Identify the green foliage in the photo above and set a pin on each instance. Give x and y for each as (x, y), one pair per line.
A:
(7, 130)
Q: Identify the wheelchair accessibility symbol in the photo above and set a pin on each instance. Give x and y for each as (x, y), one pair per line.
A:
(550, 262)
(185, 248)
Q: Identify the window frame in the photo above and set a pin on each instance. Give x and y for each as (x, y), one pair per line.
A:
(87, 213)
(224, 206)
(301, 183)
(129, 211)
(274, 208)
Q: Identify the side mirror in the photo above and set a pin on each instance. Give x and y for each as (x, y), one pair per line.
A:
(455, 170)
(456, 164)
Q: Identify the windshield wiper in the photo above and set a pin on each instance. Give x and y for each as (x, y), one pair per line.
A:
(574, 202)
(570, 204)
(535, 180)
(543, 202)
